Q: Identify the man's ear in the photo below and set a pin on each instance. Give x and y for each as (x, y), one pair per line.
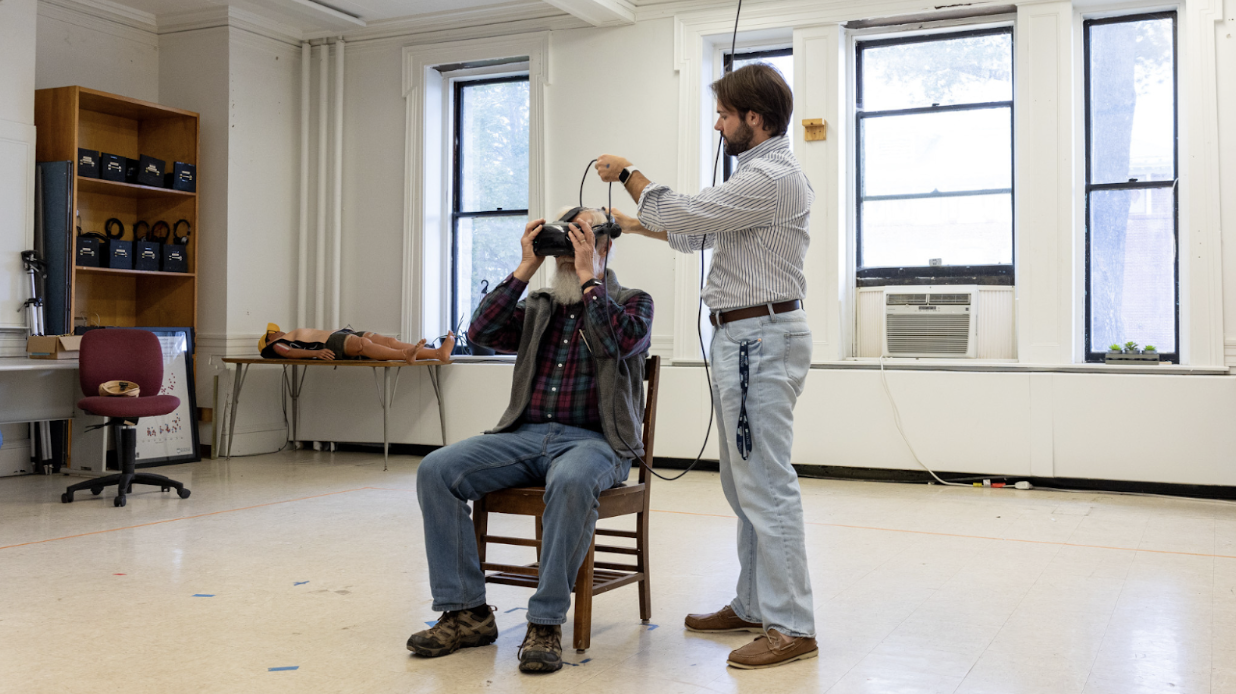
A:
(756, 122)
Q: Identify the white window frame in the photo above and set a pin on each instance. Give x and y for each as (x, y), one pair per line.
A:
(427, 161)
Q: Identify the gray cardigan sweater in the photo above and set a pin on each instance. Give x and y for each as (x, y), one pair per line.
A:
(620, 382)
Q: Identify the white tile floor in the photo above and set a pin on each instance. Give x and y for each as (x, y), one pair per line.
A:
(315, 561)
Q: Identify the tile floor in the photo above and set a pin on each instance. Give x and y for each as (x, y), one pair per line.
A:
(314, 561)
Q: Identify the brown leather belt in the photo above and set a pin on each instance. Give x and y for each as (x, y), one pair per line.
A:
(722, 317)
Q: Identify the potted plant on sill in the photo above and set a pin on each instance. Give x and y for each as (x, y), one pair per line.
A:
(1129, 354)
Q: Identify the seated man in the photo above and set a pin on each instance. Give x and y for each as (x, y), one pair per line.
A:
(345, 343)
(573, 424)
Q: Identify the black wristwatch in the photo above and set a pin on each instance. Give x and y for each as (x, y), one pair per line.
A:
(625, 174)
(594, 282)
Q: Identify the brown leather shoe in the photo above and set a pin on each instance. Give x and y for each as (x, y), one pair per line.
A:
(773, 649)
(720, 621)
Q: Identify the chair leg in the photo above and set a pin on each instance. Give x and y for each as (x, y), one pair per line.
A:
(583, 600)
(126, 450)
(480, 526)
(645, 584)
(540, 537)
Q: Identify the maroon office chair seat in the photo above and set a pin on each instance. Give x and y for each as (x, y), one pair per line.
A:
(116, 354)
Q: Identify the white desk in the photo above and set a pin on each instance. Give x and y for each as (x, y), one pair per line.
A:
(37, 390)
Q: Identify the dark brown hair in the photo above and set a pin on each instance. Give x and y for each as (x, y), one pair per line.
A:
(759, 88)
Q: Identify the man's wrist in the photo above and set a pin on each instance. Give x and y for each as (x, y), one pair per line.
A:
(525, 271)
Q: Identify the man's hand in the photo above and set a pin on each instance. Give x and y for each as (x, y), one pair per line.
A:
(530, 262)
(324, 354)
(585, 243)
(609, 166)
(631, 225)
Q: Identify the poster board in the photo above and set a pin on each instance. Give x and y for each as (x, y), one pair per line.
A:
(172, 438)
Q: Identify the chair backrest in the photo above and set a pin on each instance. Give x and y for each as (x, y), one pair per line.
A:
(652, 374)
(120, 354)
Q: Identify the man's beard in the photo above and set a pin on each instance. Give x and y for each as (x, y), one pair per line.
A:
(565, 286)
(741, 141)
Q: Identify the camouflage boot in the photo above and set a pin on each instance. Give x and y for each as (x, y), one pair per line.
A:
(541, 650)
(453, 631)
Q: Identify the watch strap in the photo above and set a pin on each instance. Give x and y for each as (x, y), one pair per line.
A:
(626, 173)
(594, 282)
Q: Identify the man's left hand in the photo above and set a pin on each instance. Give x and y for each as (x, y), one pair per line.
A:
(584, 242)
(609, 166)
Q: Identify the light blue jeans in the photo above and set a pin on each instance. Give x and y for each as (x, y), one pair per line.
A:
(774, 587)
(575, 465)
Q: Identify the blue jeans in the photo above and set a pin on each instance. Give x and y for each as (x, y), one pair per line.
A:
(774, 587)
(574, 464)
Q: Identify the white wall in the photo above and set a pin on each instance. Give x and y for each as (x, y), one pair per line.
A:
(77, 49)
(1014, 423)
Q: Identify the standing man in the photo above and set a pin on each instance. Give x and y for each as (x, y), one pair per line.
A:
(757, 224)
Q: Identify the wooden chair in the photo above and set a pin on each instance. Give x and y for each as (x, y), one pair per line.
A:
(595, 577)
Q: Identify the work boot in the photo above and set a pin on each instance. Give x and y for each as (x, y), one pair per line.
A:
(541, 650)
(721, 621)
(456, 630)
(773, 649)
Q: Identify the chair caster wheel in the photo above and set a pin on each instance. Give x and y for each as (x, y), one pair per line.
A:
(66, 498)
(120, 501)
(96, 490)
(164, 489)
(183, 493)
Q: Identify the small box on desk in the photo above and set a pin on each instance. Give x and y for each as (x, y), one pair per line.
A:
(119, 254)
(175, 258)
(88, 163)
(182, 177)
(150, 171)
(53, 346)
(111, 167)
(146, 255)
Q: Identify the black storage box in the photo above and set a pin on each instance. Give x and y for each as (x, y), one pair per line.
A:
(130, 170)
(182, 177)
(119, 254)
(175, 258)
(88, 163)
(111, 167)
(88, 251)
(146, 255)
(150, 171)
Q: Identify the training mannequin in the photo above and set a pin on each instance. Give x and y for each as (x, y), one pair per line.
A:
(345, 343)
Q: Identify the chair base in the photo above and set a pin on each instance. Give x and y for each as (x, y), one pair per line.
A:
(128, 475)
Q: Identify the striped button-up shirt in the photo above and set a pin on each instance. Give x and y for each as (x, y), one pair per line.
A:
(756, 222)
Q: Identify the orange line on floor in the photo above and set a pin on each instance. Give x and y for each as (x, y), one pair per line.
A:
(971, 537)
(173, 520)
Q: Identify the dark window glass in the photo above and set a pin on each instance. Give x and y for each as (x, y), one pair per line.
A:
(1132, 269)
(935, 158)
(490, 198)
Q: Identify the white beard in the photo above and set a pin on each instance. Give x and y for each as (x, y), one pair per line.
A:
(565, 286)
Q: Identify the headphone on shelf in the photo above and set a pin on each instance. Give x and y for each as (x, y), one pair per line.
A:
(176, 237)
(145, 232)
(156, 236)
(112, 223)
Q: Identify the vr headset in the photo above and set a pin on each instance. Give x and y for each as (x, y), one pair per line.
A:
(554, 241)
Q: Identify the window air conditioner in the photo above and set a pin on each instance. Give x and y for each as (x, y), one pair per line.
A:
(931, 322)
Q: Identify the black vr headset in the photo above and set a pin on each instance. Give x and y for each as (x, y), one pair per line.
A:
(554, 241)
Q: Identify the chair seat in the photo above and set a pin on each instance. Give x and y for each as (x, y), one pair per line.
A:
(150, 406)
(530, 501)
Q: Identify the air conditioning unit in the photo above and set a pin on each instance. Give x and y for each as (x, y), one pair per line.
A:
(930, 322)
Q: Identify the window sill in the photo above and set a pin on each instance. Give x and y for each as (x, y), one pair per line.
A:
(1002, 366)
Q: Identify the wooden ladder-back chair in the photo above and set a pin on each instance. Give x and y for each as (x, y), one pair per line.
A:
(595, 577)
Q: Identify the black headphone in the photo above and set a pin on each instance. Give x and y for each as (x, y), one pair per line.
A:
(110, 224)
(181, 240)
(154, 232)
(144, 233)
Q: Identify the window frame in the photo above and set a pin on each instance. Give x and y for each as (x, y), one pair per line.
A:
(999, 275)
(458, 86)
(1092, 356)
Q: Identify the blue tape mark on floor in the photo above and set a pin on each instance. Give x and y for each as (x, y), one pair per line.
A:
(585, 660)
(281, 669)
(514, 609)
(203, 595)
(651, 626)
(432, 623)
(300, 583)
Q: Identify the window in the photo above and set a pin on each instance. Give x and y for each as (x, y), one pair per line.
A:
(1132, 262)
(782, 59)
(489, 200)
(934, 119)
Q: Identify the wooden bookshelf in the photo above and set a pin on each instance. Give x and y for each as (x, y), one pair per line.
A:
(69, 118)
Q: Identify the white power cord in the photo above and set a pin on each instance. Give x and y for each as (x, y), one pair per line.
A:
(897, 421)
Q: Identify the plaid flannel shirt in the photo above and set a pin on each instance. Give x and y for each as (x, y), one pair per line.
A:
(564, 389)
